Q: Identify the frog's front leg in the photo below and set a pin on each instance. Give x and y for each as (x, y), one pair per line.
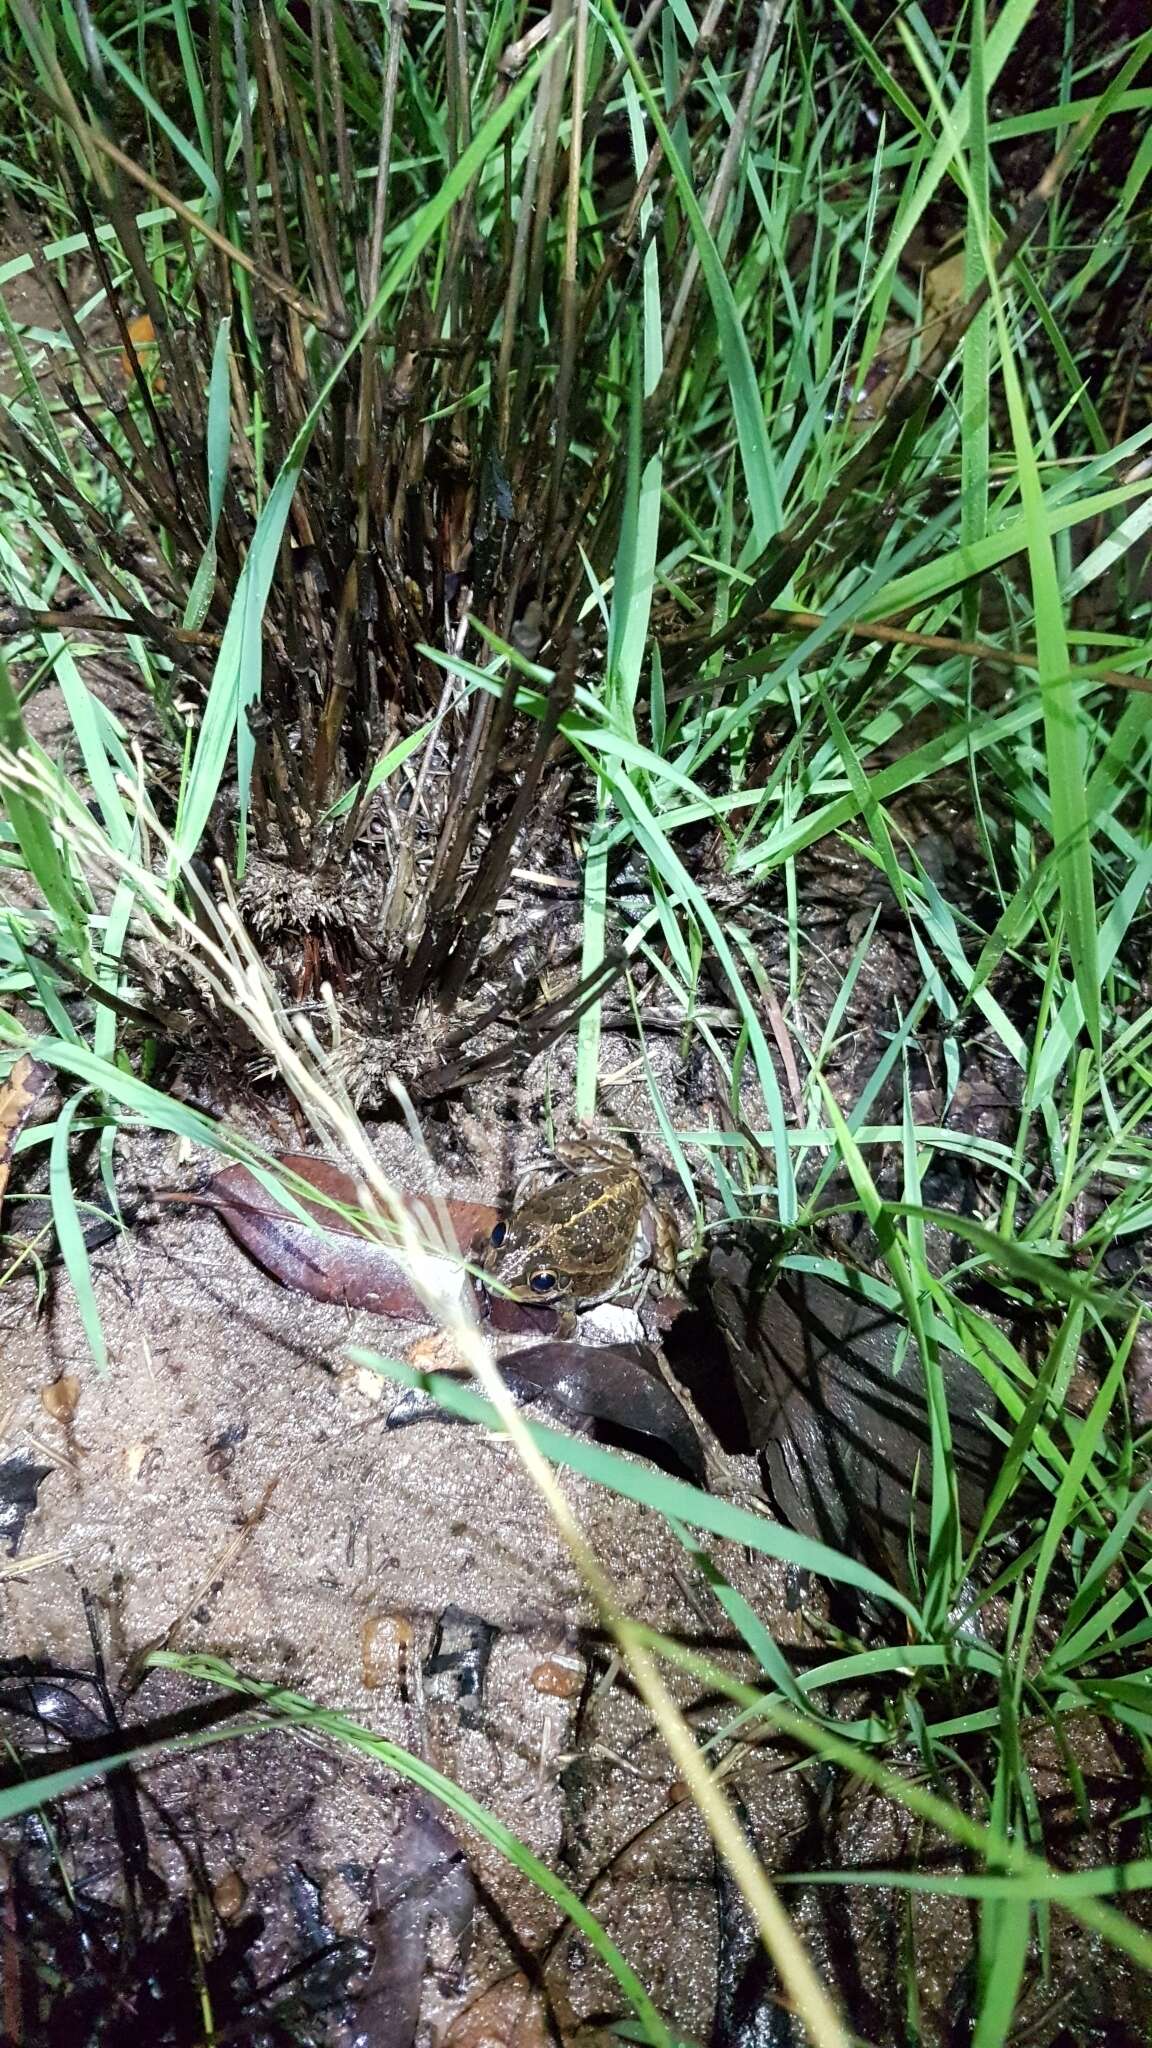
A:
(586, 1148)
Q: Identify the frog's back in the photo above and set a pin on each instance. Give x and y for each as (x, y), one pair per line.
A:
(557, 1207)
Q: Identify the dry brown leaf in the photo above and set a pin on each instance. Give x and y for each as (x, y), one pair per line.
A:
(436, 1353)
(508, 2015)
(62, 1398)
(19, 1095)
(944, 288)
(511, 2014)
(943, 293)
(142, 335)
(342, 1266)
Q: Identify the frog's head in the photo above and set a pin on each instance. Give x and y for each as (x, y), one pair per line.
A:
(518, 1256)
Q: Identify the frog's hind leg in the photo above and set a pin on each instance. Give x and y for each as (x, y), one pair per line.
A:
(659, 1237)
(587, 1146)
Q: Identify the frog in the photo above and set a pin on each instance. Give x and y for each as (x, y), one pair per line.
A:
(587, 1228)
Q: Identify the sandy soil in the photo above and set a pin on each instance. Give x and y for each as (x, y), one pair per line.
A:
(228, 1486)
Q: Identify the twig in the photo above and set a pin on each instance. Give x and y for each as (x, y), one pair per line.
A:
(900, 636)
(307, 308)
(16, 616)
(721, 185)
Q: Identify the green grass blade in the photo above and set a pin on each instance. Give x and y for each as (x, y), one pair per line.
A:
(70, 1234)
(218, 445)
(34, 832)
(747, 405)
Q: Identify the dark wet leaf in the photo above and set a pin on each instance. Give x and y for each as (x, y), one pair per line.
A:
(55, 1704)
(846, 1443)
(20, 1483)
(35, 1224)
(616, 1386)
(423, 1884)
(750, 2011)
(514, 2010)
(619, 1386)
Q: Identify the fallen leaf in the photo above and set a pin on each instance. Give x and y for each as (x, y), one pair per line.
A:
(618, 1386)
(342, 1266)
(61, 1399)
(512, 2014)
(615, 1386)
(845, 1438)
(142, 335)
(22, 1089)
(944, 287)
(942, 295)
(870, 391)
(425, 1880)
(20, 1483)
(750, 2008)
(509, 2014)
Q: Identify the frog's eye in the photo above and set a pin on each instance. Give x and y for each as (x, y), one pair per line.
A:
(543, 1281)
(499, 1233)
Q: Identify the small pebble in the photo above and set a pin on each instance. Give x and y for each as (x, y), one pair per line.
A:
(385, 1643)
(559, 1677)
(229, 1895)
(608, 1323)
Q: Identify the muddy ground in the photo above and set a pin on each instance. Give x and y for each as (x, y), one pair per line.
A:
(229, 1486)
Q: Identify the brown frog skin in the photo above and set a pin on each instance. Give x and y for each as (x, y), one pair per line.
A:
(584, 1232)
